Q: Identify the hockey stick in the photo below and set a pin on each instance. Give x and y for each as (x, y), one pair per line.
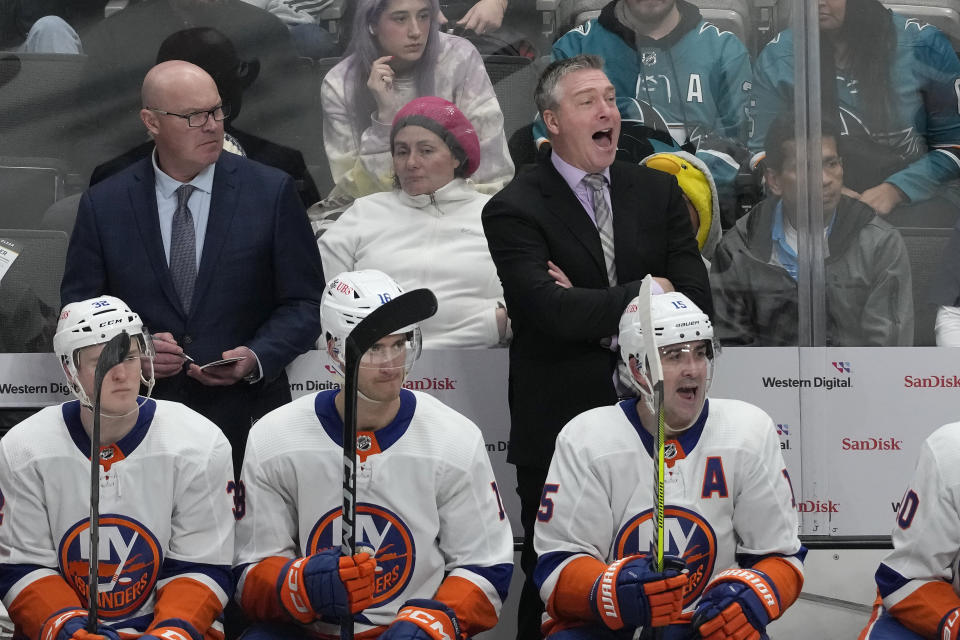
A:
(404, 310)
(114, 352)
(652, 357)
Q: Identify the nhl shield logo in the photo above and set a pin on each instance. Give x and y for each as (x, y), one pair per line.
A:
(670, 451)
(106, 453)
(130, 560)
(382, 534)
(364, 443)
(648, 58)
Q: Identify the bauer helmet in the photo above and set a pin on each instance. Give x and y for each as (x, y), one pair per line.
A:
(347, 300)
(676, 320)
(96, 321)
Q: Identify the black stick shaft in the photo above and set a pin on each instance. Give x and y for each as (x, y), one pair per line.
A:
(114, 352)
(404, 310)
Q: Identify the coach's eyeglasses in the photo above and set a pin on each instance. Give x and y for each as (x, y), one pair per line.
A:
(198, 118)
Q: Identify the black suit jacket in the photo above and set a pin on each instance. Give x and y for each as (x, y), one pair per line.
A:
(558, 366)
(259, 280)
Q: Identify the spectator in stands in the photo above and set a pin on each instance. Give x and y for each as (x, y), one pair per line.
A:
(214, 53)
(674, 73)
(483, 16)
(301, 17)
(47, 26)
(46, 34)
(427, 231)
(869, 297)
(892, 83)
(397, 53)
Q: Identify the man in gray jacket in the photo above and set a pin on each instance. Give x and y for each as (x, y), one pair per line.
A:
(867, 271)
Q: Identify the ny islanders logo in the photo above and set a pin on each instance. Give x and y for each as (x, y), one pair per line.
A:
(687, 535)
(381, 533)
(130, 560)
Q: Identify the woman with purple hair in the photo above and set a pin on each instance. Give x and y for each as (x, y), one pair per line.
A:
(397, 53)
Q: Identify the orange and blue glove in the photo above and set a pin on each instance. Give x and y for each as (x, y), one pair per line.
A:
(327, 585)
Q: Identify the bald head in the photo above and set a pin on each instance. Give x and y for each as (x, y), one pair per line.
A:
(171, 76)
(171, 90)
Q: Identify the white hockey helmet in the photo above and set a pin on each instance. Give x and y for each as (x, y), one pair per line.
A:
(676, 320)
(348, 299)
(95, 321)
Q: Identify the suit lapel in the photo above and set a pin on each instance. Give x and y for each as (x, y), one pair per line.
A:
(143, 199)
(562, 203)
(223, 205)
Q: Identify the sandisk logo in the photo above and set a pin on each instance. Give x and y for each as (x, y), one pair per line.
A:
(430, 384)
(818, 506)
(872, 444)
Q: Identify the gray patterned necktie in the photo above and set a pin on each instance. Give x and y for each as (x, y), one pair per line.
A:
(183, 248)
(601, 211)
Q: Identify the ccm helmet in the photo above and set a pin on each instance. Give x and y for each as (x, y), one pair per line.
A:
(676, 320)
(96, 321)
(347, 300)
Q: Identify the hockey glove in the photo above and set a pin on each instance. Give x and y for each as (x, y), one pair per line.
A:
(422, 619)
(737, 605)
(172, 629)
(71, 624)
(630, 593)
(950, 626)
(326, 585)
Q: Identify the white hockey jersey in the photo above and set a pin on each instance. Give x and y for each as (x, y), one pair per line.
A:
(919, 580)
(728, 499)
(165, 517)
(427, 507)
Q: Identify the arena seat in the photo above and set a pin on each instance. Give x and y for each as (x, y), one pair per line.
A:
(28, 186)
(40, 264)
(943, 14)
(514, 79)
(925, 248)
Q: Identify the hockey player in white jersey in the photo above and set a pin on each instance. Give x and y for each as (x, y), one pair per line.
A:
(730, 516)
(166, 526)
(428, 509)
(919, 581)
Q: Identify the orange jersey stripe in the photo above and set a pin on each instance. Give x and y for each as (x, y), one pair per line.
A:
(187, 599)
(37, 602)
(784, 576)
(570, 599)
(922, 610)
(259, 599)
(469, 602)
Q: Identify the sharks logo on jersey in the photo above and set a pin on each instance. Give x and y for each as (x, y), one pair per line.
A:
(687, 534)
(129, 562)
(384, 535)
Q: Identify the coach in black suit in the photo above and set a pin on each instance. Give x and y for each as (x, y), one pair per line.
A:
(565, 290)
(251, 282)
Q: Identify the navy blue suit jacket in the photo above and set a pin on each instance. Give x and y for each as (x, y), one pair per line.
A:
(259, 281)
